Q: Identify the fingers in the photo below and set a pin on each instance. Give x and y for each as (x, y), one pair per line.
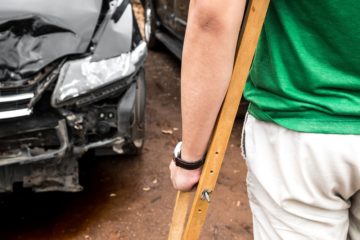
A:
(182, 179)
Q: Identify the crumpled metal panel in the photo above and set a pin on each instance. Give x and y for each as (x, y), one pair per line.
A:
(37, 32)
(115, 37)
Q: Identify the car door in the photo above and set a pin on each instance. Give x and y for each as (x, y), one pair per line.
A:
(165, 12)
(181, 14)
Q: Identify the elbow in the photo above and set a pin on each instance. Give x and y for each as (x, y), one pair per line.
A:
(207, 18)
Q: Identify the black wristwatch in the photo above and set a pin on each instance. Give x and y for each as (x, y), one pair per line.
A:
(184, 164)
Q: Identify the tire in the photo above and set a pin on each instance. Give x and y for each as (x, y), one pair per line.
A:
(135, 144)
(150, 24)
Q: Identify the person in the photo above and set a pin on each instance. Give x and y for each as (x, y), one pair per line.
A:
(301, 135)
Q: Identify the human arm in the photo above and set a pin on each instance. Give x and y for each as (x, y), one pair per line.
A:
(208, 57)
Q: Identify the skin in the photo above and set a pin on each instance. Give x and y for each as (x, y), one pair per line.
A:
(208, 58)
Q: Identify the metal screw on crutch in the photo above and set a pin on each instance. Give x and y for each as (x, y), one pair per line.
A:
(205, 195)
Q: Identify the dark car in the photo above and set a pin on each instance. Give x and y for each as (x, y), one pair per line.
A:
(165, 22)
(71, 80)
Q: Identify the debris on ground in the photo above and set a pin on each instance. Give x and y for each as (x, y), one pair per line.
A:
(167, 131)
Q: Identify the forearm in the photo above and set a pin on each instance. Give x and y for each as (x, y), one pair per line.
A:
(208, 58)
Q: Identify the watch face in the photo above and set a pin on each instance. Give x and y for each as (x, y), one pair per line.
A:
(177, 149)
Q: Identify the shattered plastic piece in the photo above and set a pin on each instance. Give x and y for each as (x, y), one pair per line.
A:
(79, 77)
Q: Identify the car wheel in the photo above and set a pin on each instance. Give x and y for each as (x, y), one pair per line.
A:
(136, 143)
(150, 24)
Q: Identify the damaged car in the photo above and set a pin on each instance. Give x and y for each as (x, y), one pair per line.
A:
(71, 80)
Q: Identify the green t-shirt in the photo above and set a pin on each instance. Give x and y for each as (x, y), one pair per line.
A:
(306, 71)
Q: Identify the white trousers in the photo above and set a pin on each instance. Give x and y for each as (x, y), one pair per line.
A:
(302, 185)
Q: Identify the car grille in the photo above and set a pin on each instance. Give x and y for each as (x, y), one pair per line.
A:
(12, 106)
(8, 91)
(15, 100)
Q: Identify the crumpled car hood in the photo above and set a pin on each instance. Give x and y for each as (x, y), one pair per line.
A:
(37, 32)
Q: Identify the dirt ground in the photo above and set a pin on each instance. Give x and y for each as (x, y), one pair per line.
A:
(128, 197)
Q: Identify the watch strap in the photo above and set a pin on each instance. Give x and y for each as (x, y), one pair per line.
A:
(188, 165)
(184, 164)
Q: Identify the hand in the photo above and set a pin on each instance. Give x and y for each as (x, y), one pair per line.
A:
(182, 179)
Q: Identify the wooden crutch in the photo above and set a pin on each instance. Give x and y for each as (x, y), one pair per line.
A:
(249, 35)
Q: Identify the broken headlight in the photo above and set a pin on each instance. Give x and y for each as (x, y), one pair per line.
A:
(80, 77)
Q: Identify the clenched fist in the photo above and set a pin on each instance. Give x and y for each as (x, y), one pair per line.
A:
(182, 179)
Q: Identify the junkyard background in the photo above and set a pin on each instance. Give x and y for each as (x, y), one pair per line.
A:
(128, 197)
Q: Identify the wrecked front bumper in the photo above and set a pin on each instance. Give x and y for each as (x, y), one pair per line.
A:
(37, 156)
(54, 167)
